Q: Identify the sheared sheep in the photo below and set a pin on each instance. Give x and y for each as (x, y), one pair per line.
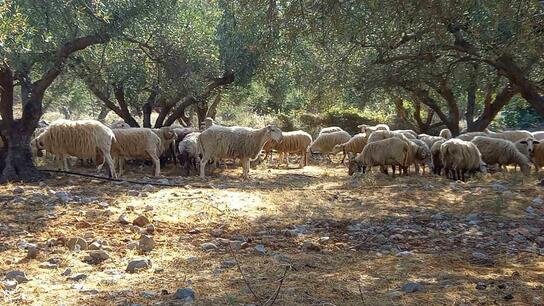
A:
(420, 155)
(119, 124)
(292, 142)
(435, 156)
(428, 139)
(188, 152)
(501, 152)
(383, 153)
(512, 136)
(369, 128)
(136, 143)
(325, 142)
(459, 157)
(382, 134)
(83, 139)
(445, 133)
(470, 135)
(353, 146)
(234, 142)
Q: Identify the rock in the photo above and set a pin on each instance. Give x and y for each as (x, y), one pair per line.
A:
(103, 204)
(63, 196)
(19, 276)
(310, 246)
(380, 239)
(141, 221)
(77, 277)
(95, 245)
(530, 210)
(509, 296)
(66, 272)
(235, 245)
(136, 265)
(499, 186)
(9, 284)
(48, 265)
(148, 188)
(146, 243)
(411, 287)
(473, 218)
(191, 259)
(208, 246)
(133, 245)
(133, 193)
(324, 239)
(150, 229)
(481, 259)
(538, 201)
(228, 264)
(397, 237)
(438, 217)
(259, 248)
(96, 257)
(481, 286)
(185, 294)
(405, 254)
(32, 252)
(149, 294)
(76, 244)
(148, 208)
(18, 190)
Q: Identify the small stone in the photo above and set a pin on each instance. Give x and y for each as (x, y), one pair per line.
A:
(96, 257)
(77, 277)
(133, 193)
(148, 208)
(208, 246)
(63, 196)
(66, 272)
(185, 294)
(95, 245)
(481, 259)
(19, 276)
(149, 294)
(412, 287)
(133, 245)
(9, 284)
(146, 243)
(191, 259)
(148, 187)
(324, 239)
(76, 243)
(141, 221)
(530, 210)
(260, 249)
(32, 252)
(481, 286)
(538, 201)
(310, 246)
(509, 296)
(405, 254)
(48, 265)
(150, 229)
(136, 265)
(18, 190)
(397, 237)
(228, 264)
(235, 245)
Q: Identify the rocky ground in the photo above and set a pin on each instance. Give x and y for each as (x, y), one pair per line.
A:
(286, 237)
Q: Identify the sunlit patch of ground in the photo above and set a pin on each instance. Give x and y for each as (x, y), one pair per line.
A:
(280, 208)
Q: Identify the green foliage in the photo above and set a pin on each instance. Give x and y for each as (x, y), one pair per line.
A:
(518, 115)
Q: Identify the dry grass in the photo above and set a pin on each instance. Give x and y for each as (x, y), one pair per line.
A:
(322, 198)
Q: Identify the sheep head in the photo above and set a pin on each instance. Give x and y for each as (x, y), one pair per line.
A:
(354, 166)
(274, 132)
(530, 144)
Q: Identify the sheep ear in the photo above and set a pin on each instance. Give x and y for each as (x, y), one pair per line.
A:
(536, 142)
(523, 142)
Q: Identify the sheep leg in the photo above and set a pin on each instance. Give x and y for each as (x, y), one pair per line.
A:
(63, 162)
(156, 166)
(203, 164)
(109, 161)
(245, 167)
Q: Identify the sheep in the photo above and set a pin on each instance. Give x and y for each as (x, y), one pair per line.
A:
(538, 135)
(445, 133)
(369, 129)
(538, 156)
(325, 142)
(526, 146)
(167, 136)
(420, 154)
(410, 134)
(501, 152)
(83, 139)
(353, 146)
(180, 134)
(390, 151)
(330, 129)
(459, 157)
(208, 122)
(136, 143)
(512, 136)
(470, 135)
(428, 139)
(382, 134)
(188, 154)
(234, 142)
(435, 156)
(292, 142)
(119, 124)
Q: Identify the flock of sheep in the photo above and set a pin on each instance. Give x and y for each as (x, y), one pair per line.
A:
(377, 145)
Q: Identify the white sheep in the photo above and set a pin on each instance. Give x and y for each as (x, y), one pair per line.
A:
(538, 135)
(428, 139)
(292, 142)
(459, 157)
(410, 134)
(435, 156)
(136, 143)
(325, 142)
(188, 154)
(83, 139)
(383, 153)
(383, 134)
(354, 146)
(369, 128)
(330, 129)
(501, 152)
(119, 124)
(234, 142)
(420, 155)
(512, 136)
(538, 156)
(470, 135)
(445, 133)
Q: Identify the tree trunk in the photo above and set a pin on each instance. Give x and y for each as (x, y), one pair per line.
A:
(212, 110)
(471, 102)
(492, 109)
(104, 111)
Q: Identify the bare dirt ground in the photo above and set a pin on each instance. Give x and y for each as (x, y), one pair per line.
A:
(339, 240)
